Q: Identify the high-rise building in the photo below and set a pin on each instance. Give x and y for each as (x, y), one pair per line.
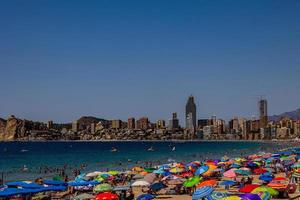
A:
(142, 123)
(263, 113)
(75, 126)
(174, 122)
(189, 122)
(116, 124)
(49, 124)
(202, 123)
(190, 113)
(160, 124)
(131, 123)
(93, 128)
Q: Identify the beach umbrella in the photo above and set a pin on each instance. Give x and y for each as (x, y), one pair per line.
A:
(159, 171)
(202, 192)
(227, 183)
(93, 174)
(192, 181)
(201, 170)
(113, 173)
(140, 183)
(145, 197)
(106, 196)
(232, 198)
(157, 186)
(259, 171)
(137, 169)
(250, 196)
(24, 185)
(211, 183)
(248, 188)
(82, 183)
(149, 170)
(264, 195)
(296, 165)
(176, 170)
(218, 195)
(137, 176)
(175, 182)
(210, 170)
(55, 183)
(150, 178)
(170, 177)
(102, 188)
(235, 165)
(230, 173)
(265, 178)
(279, 178)
(277, 185)
(270, 190)
(243, 172)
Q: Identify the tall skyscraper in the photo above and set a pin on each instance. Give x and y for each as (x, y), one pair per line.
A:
(190, 113)
(174, 122)
(263, 113)
(131, 123)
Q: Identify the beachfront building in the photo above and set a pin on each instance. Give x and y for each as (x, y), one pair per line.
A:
(263, 113)
(190, 113)
(116, 124)
(174, 122)
(131, 123)
(142, 123)
(75, 126)
(160, 124)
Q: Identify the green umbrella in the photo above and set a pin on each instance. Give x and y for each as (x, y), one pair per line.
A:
(57, 178)
(269, 190)
(192, 181)
(149, 170)
(102, 188)
(113, 173)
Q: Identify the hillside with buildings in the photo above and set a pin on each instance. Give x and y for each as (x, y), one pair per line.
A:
(93, 128)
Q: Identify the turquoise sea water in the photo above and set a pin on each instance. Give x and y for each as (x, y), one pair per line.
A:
(98, 156)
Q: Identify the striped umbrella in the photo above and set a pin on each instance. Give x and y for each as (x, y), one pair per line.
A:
(202, 192)
(218, 195)
(201, 170)
(270, 190)
(264, 195)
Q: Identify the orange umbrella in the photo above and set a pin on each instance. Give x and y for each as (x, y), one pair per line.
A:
(211, 182)
(210, 170)
(276, 185)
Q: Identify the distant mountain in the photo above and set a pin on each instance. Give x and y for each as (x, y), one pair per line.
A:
(87, 120)
(292, 114)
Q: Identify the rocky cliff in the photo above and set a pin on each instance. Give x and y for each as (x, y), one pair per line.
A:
(12, 128)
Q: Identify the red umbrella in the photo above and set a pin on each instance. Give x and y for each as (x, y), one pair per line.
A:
(279, 179)
(186, 174)
(107, 196)
(248, 188)
(260, 171)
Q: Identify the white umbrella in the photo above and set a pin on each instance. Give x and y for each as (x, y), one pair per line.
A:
(141, 183)
(93, 174)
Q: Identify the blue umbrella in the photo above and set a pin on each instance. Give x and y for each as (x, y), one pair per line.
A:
(145, 197)
(227, 183)
(218, 195)
(202, 192)
(56, 183)
(201, 170)
(157, 186)
(266, 178)
(235, 165)
(83, 183)
(24, 185)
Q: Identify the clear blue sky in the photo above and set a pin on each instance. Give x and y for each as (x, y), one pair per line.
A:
(115, 59)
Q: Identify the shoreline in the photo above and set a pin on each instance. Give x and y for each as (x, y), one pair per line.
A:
(176, 141)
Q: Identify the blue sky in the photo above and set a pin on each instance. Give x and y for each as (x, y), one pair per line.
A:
(115, 59)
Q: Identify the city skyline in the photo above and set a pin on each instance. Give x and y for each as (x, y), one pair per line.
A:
(62, 60)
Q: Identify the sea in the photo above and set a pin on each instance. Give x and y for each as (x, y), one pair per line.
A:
(30, 160)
